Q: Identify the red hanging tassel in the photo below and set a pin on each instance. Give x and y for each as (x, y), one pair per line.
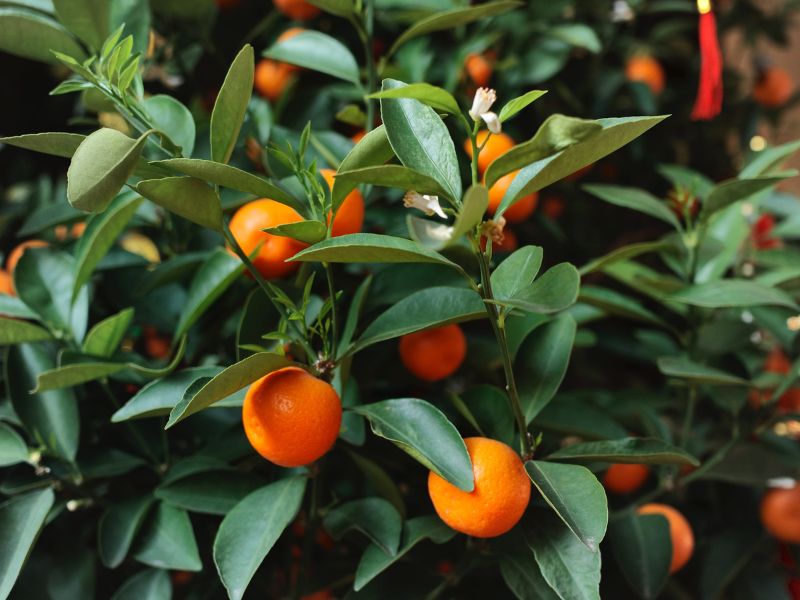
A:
(708, 103)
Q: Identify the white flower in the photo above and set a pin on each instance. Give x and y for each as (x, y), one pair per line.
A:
(492, 122)
(427, 204)
(621, 12)
(484, 98)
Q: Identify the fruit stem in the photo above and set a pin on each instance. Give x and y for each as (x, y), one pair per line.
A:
(369, 20)
(334, 320)
(473, 139)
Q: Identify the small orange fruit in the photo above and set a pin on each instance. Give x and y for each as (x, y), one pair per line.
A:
(777, 362)
(246, 226)
(501, 494)
(350, 216)
(6, 283)
(773, 87)
(498, 144)
(156, 345)
(290, 417)
(299, 10)
(17, 252)
(647, 70)
(680, 533)
(478, 68)
(271, 78)
(780, 513)
(624, 478)
(521, 209)
(434, 354)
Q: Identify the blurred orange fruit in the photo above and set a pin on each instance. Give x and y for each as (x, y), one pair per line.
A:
(478, 68)
(624, 478)
(780, 513)
(680, 533)
(497, 145)
(299, 10)
(645, 69)
(271, 78)
(773, 87)
(521, 209)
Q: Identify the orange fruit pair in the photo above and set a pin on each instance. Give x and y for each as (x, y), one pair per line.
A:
(624, 478)
(64, 232)
(290, 417)
(498, 144)
(300, 10)
(780, 513)
(521, 209)
(645, 69)
(434, 354)
(680, 532)
(773, 87)
(501, 494)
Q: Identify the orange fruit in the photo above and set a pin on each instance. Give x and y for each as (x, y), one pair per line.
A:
(777, 362)
(434, 354)
(356, 137)
(299, 10)
(324, 594)
(522, 208)
(647, 70)
(271, 78)
(478, 68)
(246, 226)
(6, 283)
(181, 578)
(553, 207)
(290, 417)
(624, 478)
(773, 87)
(62, 232)
(780, 513)
(350, 216)
(501, 494)
(498, 144)
(156, 345)
(17, 252)
(287, 35)
(680, 532)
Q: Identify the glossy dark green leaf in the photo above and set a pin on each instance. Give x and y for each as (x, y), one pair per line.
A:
(485, 403)
(171, 117)
(50, 418)
(74, 374)
(768, 160)
(105, 337)
(371, 150)
(88, 19)
(117, 528)
(733, 292)
(554, 291)
(14, 331)
(209, 492)
(635, 199)
(623, 253)
(522, 575)
(642, 548)
(319, 52)
(421, 140)
(615, 303)
(724, 555)
(648, 451)
(53, 143)
(424, 432)
(726, 193)
(30, 34)
(380, 481)
(308, 232)
(13, 449)
(375, 561)
(376, 518)
(232, 379)
(512, 107)
(581, 419)
(21, 520)
(683, 368)
(168, 542)
(187, 197)
(688, 179)
(150, 584)
(396, 176)
(577, 497)
(516, 272)
(648, 282)
(231, 105)
(251, 528)
(437, 98)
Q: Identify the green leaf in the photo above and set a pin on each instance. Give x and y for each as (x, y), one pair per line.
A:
(542, 362)
(72, 375)
(436, 236)
(168, 542)
(213, 277)
(578, 35)
(231, 177)
(373, 149)
(308, 232)
(618, 304)
(104, 338)
(13, 449)
(229, 381)
(437, 98)
(30, 34)
(624, 253)
(101, 232)
(395, 176)
(726, 193)
(554, 291)
(420, 139)
(11, 306)
(512, 107)
(576, 496)
(648, 282)
(769, 160)
(733, 292)
(14, 331)
(635, 199)
(642, 548)
(340, 8)
(421, 430)
(251, 528)
(150, 584)
(376, 518)
(319, 52)
(646, 451)
(100, 167)
(21, 519)
(482, 402)
(683, 368)
(523, 576)
(171, 117)
(516, 272)
(579, 418)
(187, 197)
(431, 307)
(50, 418)
(88, 19)
(53, 143)
(375, 561)
(380, 480)
(117, 528)
(451, 19)
(212, 492)
(231, 105)
(692, 181)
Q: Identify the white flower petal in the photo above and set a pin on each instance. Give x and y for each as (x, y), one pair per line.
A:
(427, 204)
(484, 98)
(492, 122)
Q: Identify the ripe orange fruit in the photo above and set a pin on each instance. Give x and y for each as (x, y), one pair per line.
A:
(156, 345)
(647, 70)
(271, 78)
(624, 478)
(521, 210)
(434, 354)
(773, 87)
(290, 417)
(780, 513)
(478, 68)
(777, 362)
(350, 216)
(680, 532)
(498, 144)
(299, 10)
(6, 283)
(17, 252)
(246, 226)
(501, 494)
